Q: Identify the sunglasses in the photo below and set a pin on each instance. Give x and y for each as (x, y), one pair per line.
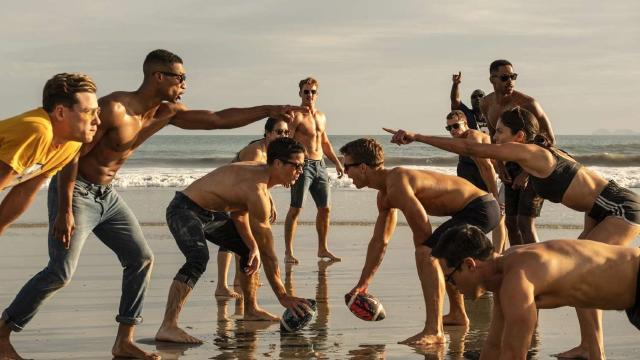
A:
(478, 96)
(449, 277)
(453, 126)
(281, 132)
(506, 77)
(347, 166)
(298, 166)
(307, 92)
(180, 77)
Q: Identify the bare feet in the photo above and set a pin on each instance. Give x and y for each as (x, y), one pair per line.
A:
(290, 259)
(327, 254)
(423, 338)
(259, 315)
(455, 320)
(226, 293)
(578, 352)
(128, 350)
(176, 335)
(7, 352)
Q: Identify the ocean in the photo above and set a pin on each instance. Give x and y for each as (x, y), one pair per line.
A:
(177, 160)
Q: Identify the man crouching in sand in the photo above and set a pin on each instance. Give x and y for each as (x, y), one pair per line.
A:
(230, 207)
(550, 274)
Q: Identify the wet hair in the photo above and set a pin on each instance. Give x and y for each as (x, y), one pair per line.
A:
(308, 81)
(364, 150)
(457, 115)
(159, 57)
(497, 63)
(461, 242)
(270, 124)
(519, 119)
(62, 88)
(283, 148)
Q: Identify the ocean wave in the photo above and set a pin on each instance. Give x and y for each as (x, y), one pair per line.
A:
(164, 177)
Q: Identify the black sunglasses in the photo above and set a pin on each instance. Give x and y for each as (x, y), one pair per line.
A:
(307, 92)
(453, 126)
(180, 77)
(506, 77)
(347, 166)
(449, 277)
(281, 132)
(478, 96)
(298, 166)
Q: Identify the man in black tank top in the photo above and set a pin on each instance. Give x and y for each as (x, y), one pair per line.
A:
(477, 171)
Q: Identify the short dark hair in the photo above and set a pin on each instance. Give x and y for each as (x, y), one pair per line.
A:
(520, 119)
(364, 150)
(159, 57)
(62, 88)
(270, 124)
(461, 242)
(283, 148)
(497, 63)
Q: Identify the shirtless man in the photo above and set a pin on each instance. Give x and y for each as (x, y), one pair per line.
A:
(522, 204)
(418, 194)
(310, 130)
(33, 147)
(478, 171)
(128, 119)
(256, 150)
(231, 207)
(546, 275)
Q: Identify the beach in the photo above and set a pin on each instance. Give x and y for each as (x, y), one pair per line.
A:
(78, 322)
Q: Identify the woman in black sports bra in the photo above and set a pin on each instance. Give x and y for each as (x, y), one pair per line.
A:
(612, 213)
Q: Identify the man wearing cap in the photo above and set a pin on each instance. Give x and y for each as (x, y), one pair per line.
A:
(474, 116)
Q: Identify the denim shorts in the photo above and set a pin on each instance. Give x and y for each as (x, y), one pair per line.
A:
(315, 178)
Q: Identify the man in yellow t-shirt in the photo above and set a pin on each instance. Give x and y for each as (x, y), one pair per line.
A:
(38, 143)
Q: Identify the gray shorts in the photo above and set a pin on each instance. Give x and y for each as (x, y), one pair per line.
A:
(315, 178)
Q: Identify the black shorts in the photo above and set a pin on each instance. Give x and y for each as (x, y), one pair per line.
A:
(525, 202)
(633, 313)
(483, 212)
(615, 200)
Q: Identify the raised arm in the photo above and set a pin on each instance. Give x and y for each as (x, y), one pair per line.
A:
(382, 232)
(519, 313)
(19, 197)
(261, 229)
(455, 91)
(233, 117)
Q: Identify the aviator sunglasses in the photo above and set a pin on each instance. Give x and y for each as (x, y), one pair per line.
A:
(506, 77)
(452, 126)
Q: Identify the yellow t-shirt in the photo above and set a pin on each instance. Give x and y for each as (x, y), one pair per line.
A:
(25, 145)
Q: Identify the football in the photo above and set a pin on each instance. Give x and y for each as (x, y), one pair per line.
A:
(365, 306)
(290, 323)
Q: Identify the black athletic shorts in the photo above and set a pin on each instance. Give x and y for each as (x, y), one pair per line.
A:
(483, 212)
(633, 313)
(525, 202)
(615, 200)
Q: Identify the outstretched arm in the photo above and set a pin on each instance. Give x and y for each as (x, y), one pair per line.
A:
(455, 91)
(532, 158)
(231, 118)
(385, 225)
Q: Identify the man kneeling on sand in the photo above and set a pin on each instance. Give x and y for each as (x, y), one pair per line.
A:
(230, 207)
(554, 273)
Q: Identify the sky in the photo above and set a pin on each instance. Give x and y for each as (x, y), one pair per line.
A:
(379, 63)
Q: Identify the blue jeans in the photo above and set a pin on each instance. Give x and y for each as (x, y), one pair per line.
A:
(100, 209)
(315, 178)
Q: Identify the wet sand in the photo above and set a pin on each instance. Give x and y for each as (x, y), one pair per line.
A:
(78, 322)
